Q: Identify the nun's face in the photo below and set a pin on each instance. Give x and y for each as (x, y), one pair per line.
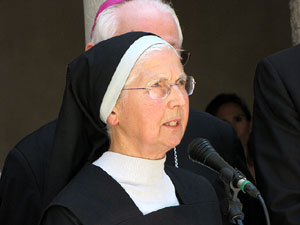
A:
(148, 127)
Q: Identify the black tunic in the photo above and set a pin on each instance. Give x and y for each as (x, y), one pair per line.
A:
(276, 134)
(94, 197)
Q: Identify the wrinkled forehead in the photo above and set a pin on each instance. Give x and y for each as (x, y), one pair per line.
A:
(156, 51)
(157, 62)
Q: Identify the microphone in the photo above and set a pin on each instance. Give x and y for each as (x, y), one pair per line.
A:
(201, 151)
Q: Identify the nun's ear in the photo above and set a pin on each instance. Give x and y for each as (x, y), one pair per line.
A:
(112, 119)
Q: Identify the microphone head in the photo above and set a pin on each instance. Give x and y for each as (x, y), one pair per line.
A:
(199, 150)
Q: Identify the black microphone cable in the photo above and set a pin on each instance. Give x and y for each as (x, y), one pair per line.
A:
(262, 202)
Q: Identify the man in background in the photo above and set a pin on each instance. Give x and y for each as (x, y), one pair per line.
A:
(276, 134)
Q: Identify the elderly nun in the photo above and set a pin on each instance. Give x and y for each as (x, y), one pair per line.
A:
(125, 105)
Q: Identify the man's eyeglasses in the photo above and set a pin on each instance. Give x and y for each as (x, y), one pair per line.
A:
(160, 89)
(185, 56)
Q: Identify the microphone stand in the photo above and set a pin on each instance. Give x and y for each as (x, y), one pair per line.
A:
(234, 206)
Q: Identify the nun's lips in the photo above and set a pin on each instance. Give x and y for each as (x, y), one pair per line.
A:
(173, 123)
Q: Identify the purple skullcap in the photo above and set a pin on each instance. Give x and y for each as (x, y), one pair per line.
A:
(102, 7)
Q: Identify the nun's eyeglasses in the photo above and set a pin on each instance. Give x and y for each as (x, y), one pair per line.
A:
(160, 89)
(185, 56)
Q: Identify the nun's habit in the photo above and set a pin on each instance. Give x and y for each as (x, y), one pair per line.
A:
(88, 195)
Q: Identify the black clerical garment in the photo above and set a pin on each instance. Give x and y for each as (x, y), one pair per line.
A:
(276, 134)
(93, 197)
(26, 166)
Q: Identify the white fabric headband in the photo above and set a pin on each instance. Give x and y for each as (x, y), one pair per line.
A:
(123, 70)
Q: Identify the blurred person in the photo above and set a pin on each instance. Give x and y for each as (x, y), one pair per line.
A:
(130, 91)
(232, 109)
(276, 134)
(34, 165)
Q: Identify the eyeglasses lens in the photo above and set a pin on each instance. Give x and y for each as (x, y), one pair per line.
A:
(190, 85)
(161, 89)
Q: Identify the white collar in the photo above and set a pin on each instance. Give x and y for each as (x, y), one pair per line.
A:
(127, 168)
